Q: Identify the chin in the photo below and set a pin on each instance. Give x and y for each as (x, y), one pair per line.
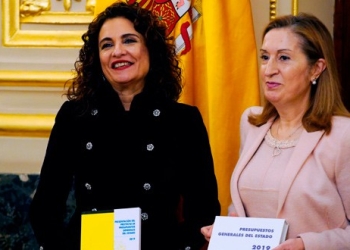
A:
(271, 99)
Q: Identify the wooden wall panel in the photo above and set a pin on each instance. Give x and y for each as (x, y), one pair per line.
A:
(341, 33)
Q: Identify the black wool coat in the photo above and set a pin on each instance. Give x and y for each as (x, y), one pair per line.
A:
(156, 156)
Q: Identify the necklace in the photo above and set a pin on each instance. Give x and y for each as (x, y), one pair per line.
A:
(291, 134)
(277, 145)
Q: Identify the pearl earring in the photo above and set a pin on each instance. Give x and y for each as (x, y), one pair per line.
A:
(314, 81)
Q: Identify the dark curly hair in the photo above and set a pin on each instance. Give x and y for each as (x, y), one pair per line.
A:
(164, 76)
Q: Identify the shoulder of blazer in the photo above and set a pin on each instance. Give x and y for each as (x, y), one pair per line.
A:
(340, 131)
(340, 122)
(182, 111)
(72, 112)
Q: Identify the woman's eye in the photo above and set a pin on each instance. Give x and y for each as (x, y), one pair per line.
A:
(264, 57)
(129, 40)
(106, 45)
(284, 58)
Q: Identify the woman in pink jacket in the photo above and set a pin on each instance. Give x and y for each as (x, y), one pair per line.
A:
(295, 150)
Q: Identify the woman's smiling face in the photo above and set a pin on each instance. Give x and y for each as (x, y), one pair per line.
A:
(285, 71)
(123, 54)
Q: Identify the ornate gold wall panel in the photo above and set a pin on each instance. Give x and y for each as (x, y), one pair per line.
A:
(34, 78)
(22, 125)
(15, 15)
(13, 35)
(295, 7)
(273, 8)
(30, 125)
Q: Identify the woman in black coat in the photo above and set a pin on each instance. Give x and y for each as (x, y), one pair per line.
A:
(122, 140)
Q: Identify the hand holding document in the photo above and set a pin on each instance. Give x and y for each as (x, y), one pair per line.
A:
(247, 233)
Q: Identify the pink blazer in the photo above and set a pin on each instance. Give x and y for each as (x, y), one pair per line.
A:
(314, 194)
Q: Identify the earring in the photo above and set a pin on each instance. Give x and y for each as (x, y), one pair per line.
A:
(314, 81)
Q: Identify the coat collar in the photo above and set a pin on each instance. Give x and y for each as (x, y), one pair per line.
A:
(108, 98)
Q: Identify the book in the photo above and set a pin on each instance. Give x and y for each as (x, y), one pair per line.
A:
(127, 229)
(247, 233)
(118, 229)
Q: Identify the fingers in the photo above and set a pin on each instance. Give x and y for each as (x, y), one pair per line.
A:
(291, 244)
(206, 231)
(233, 214)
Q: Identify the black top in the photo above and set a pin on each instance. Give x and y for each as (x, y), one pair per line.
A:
(155, 156)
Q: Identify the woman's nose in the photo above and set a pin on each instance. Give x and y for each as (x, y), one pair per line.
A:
(270, 68)
(118, 49)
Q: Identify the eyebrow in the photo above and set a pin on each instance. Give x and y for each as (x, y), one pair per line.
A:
(280, 50)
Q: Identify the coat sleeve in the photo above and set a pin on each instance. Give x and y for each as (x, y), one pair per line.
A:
(337, 238)
(199, 190)
(48, 207)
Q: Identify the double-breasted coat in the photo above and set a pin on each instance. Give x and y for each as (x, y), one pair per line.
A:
(156, 156)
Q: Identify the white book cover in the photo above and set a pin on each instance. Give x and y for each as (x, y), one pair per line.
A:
(247, 233)
(127, 229)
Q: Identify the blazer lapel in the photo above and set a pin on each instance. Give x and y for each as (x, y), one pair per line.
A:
(254, 138)
(306, 144)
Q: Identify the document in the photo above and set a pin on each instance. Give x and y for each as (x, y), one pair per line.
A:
(127, 229)
(247, 233)
(118, 229)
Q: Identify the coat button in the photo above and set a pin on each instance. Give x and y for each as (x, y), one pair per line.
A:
(94, 112)
(150, 147)
(144, 216)
(147, 186)
(89, 146)
(88, 186)
(156, 112)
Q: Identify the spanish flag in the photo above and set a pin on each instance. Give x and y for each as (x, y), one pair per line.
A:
(219, 59)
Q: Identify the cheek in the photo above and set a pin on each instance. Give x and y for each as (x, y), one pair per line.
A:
(102, 56)
(103, 60)
(145, 59)
(298, 87)
(262, 75)
(261, 72)
(300, 79)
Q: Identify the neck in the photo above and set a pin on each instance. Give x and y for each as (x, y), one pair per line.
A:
(287, 130)
(126, 101)
(127, 95)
